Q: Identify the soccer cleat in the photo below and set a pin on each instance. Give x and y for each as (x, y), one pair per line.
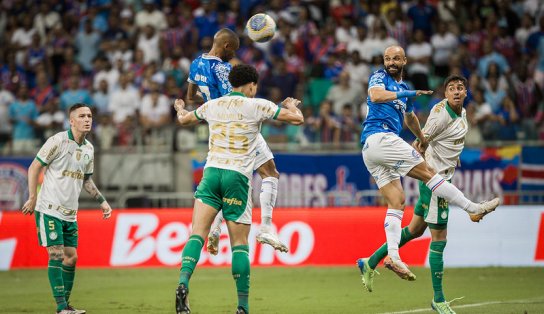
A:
(399, 268)
(66, 311)
(271, 238)
(240, 310)
(367, 273)
(485, 208)
(444, 307)
(71, 308)
(182, 302)
(213, 242)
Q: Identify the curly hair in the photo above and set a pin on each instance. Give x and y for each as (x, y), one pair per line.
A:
(243, 74)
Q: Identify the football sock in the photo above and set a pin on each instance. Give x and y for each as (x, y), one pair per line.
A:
(450, 193)
(216, 224)
(269, 193)
(240, 273)
(436, 261)
(393, 220)
(381, 253)
(68, 274)
(54, 272)
(189, 258)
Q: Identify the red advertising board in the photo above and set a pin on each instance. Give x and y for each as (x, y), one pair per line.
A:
(155, 237)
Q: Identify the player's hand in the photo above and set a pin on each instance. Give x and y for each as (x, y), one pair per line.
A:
(28, 207)
(423, 92)
(290, 102)
(106, 210)
(179, 105)
(421, 145)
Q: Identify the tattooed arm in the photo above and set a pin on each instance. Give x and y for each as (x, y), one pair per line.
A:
(90, 187)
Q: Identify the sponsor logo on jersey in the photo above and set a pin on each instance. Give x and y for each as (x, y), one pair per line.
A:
(73, 174)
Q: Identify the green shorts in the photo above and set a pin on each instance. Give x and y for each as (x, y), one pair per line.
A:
(433, 209)
(226, 190)
(54, 231)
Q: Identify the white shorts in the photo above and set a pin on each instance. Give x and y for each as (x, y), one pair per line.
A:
(264, 153)
(388, 157)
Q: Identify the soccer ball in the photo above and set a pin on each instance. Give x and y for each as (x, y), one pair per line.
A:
(261, 28)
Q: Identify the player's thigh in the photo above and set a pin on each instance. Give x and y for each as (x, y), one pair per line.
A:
(392, 152)
(264, 159)
(203, 216)
(70, 233)
(208, 190)
(50, 230)
(435, 209)
(393, 194)
(238, 233)
(371, 153)
(236, 191)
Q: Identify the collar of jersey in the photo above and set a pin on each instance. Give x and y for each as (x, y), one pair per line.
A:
(71, 136)
(207, 56)
(237, 94)
(452, 113)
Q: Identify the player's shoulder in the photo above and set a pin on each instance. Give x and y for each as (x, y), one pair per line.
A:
(378, 77)
(380, 73)
(439, 107)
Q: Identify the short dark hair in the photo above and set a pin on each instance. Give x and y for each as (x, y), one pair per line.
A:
(243, 74)
(77, 106)
(455, 77)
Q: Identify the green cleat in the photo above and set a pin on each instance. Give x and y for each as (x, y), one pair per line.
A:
(442, 307)
(367, 273)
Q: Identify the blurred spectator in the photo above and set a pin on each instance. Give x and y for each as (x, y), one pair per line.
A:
(444, 44)
(327, 124)
(6, 98)
(527, 28)
(155, 109)
(508, 118)
(381, 41)
(491, 56)
(101, 97)
(45, 20)
(74, 94)
(280, 78)
(506, 45)
(397, 25)
(482, 115)
(527, 97)
(423, 16)
(22, 38)
(493, 95)
(205, 21)
(534, 38)
(12, 74)
(51, 120)
(87, 42)
(124, 102)
(358, 70)
(419, 55)
(23, 113)
(343, 93)
(151, 16)
(361, 44)
(105, 71)
(349, 125)
(44, 92)
(149, 42)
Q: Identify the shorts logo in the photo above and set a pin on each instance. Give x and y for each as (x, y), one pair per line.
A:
(365, 147)
(232, 201)
(398, 164)
(53, 235)
(444, 215)
(415, 154)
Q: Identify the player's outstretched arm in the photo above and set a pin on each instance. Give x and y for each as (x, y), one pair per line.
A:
(192, 97)
(90, 187)
(290, 113)
(379, 94)
(184, 117)
(412, 122)
(33, 174)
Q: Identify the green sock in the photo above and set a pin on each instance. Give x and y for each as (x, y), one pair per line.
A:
(68, 274)
(436, 260)
(189, 258)
(54, 272)
(381, 253)
(240, 272)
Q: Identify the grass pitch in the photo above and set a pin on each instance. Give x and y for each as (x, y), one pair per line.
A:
(279, 290)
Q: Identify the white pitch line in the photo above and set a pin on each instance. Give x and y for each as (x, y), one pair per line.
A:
(429, 309)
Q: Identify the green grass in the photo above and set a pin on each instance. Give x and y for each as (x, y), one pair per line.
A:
(278, 290)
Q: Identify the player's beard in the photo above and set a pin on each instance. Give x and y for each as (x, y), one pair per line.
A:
(398, 73)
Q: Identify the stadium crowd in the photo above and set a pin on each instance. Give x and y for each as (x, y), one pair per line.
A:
(130, 59)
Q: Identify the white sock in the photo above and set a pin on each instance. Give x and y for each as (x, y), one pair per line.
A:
(452, 194)
(216, 224)
(269, 193)
(393, 230)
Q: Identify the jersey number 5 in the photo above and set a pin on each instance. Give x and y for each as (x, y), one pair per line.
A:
(234, 143)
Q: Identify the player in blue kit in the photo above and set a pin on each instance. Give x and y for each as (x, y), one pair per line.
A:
(209, 75)
(387, 157)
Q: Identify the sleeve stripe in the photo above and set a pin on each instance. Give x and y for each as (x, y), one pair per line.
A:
(196, 115)
(277, 113)
(41, 161)
(191, 81)
(89, 174)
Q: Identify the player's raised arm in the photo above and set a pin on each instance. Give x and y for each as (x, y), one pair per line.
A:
(412, 122)
(192, 97)
(187, 117)
(290, 113)
(379, 94)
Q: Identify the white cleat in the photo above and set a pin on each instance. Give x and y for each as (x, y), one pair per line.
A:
(399, 268)
(213, 242)
(485, 208)
(271, 238)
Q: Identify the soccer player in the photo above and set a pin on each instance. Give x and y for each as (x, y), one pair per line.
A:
(445, 130)
(209, 75)
(234, 122)
(387, 157)
(69, 159)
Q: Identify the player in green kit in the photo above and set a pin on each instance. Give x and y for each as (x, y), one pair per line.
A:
(445, 131)
(69, 159)
(234, 122)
